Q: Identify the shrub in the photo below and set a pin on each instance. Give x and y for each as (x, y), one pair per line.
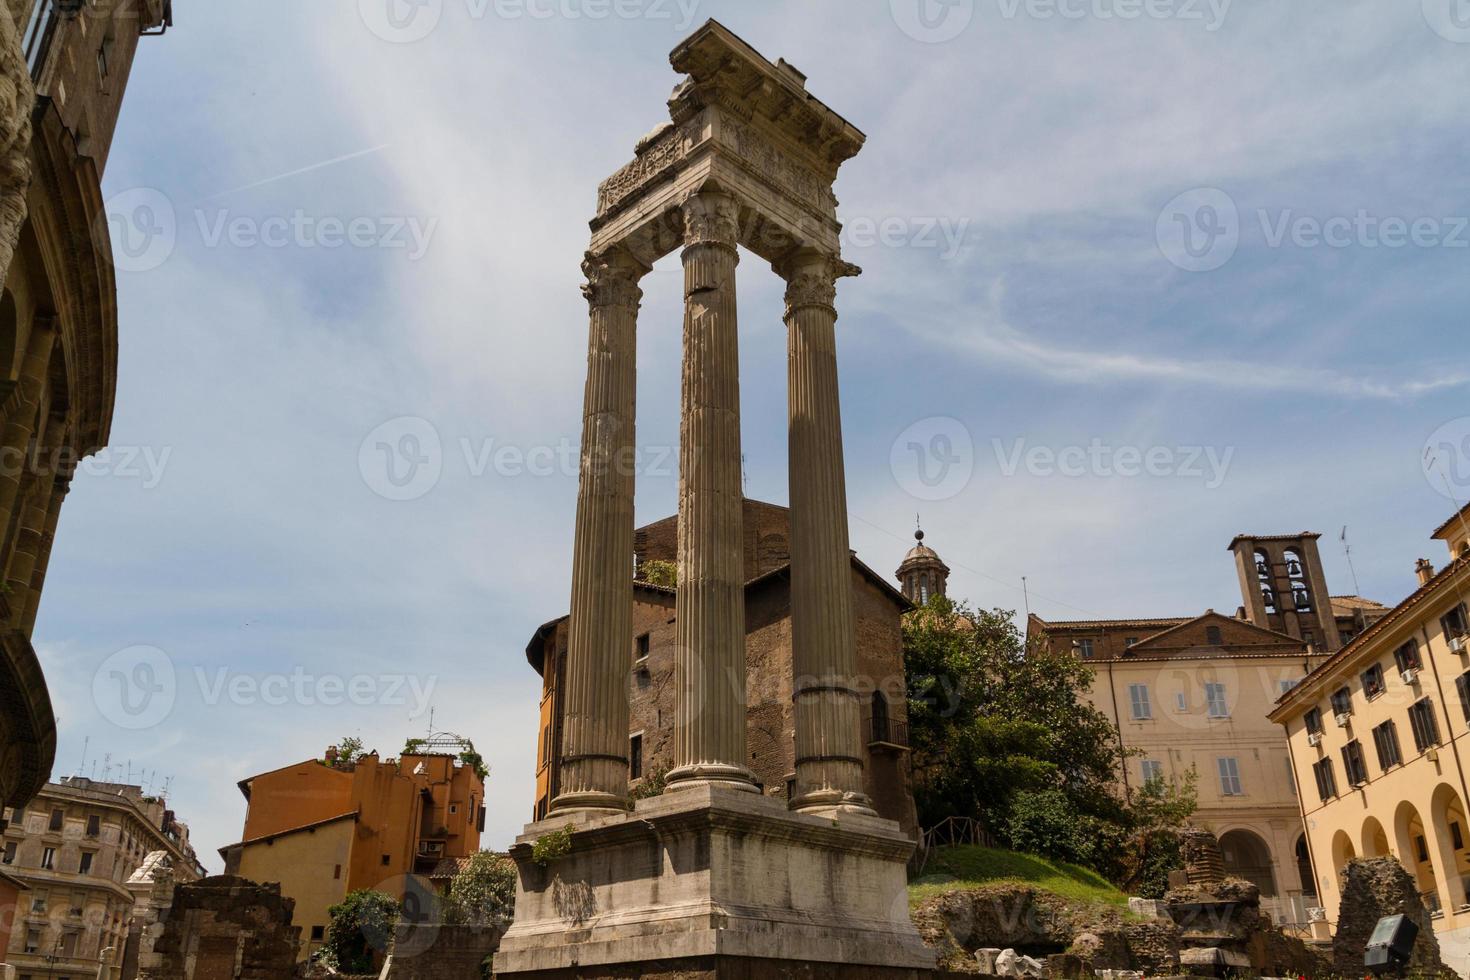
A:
(362, 923)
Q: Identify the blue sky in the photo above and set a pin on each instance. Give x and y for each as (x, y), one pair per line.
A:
(1019, 210)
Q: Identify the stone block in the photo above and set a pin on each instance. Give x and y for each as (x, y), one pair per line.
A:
(705, 872)
(1007, 963)
(985, 959)
(1144, 908)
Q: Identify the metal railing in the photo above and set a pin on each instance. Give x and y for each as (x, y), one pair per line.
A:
(889, 732)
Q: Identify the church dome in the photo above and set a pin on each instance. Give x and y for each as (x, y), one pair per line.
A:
(923, 574)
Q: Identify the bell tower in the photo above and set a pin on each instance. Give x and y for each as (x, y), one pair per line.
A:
(1285, 589)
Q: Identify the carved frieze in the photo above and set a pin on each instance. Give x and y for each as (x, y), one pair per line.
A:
(660, 158)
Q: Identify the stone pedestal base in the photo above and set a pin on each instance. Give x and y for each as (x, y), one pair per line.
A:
(710, 883)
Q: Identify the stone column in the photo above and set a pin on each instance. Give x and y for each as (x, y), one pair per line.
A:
(829, 746)
(709, 723)
(594, 764)
(17, 99)
(17, 431)
(60, 489)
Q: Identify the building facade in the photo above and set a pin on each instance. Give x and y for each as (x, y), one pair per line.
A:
(770, 723)
(1193, 694)
(1378, 738)
(323, 828)
(66, 67)
(74, 847)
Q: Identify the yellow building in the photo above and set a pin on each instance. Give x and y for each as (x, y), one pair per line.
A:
(1194, 693)
(1377, 735)
(323, 828)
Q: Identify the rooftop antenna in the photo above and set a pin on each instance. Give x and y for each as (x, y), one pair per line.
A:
(86, 745)
(1347, 549)
(1026, 591)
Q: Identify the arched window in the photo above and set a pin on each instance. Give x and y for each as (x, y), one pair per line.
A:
(1267, 580)
(924, 589)
(1296, 572)
(880, 717)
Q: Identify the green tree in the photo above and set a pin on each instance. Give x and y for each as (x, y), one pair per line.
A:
(989, 719)
(484, 893)
(656, 571)
(362, 923)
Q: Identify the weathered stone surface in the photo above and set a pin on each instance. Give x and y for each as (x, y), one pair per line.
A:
(1371, 889)
(985, 959)
(456, 953)
(1007, 963)
(222, 928)
(1068, 966)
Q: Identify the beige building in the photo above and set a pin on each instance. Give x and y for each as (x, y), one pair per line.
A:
(1194, 693)
(74, 848)
(1377, 735)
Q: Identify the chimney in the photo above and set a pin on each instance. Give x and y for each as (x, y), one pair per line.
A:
(1425, 568)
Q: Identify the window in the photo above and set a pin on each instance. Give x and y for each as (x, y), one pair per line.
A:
(1455, 622)
(1313, 718)
(1326, 780)
(1230, 777)
(387, 860)
(84, 866)
(1085, 648)
(1213, 636)
(1309, 638)
(1181, 702)
(1421, 849)
(318, 933)
(56, 817)
(33, 941)
(94, 825)
(1373, 681)
(1407, 656)
(1386, 740)
(337, 873)
(48, 859)
(635, 756)
(546, 746)
(1353, 763)
(1131, 641)
(1342, 701)
(1152, 769)
(1457, 836)
(1138, 696)
(1462, 687)
(1426, 729)
(9, 852)
(1215, 695)
(38, 903)
(644, 645)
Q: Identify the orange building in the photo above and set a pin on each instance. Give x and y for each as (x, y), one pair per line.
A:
(323, 828)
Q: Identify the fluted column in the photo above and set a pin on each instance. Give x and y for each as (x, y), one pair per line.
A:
(19, 428)
(829, 749)
(59, 489)
(594, 764)
(709, 727)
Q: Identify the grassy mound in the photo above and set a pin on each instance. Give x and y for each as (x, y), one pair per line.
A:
(953, 868)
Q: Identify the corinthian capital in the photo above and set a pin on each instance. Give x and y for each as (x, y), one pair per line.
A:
(612, 280)
(711, 219)
(811, 279)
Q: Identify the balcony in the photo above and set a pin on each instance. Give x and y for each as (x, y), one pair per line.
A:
(885, 734)
(431, 849)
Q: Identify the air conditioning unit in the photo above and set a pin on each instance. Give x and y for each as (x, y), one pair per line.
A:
(1410, 676)
(1343, 720)
(1314, 739)
(1457, 644)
